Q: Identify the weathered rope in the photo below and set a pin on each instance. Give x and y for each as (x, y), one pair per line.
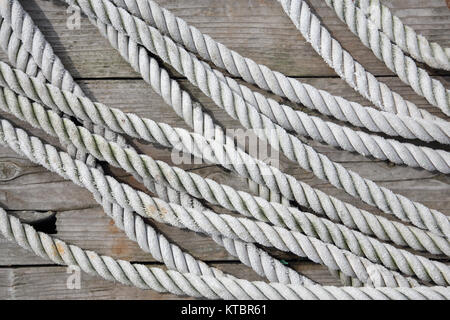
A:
(350, 70)
(202, 221)
(296, 91)
(254, 257)
(197, 145)
(190, 284)
(391, 54)
(20, 58)
(64, 128)
(291, 146)
(206, 221)
(344, 137)
(235, 160)
(151, 241)
(404, 36)
(37, 55)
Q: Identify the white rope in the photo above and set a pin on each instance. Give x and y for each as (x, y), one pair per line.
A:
(391, 54)
(190, 284)
(290, 145)
(404, 36)
(206, 221)
(254, 257)
(342, 250)
(349, 240)
(296, 91)
(235, 160)
(350, 70)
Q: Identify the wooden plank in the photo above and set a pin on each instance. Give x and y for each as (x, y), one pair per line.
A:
(255, 28)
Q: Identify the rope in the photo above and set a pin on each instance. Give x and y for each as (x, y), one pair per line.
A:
(350, 70)
(404, 36)
(291, 146)
(343, 238)
(296, 91)
(187, 283)
(205, 221)
(256, 258)
(349, 255)
(200, 147)
(41, 58)
(391, 54)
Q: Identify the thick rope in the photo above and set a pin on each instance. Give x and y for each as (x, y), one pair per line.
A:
(392, 55)
(296, 91)
(291, 146)
(344, 137)
(349, 69)
(194, 228)
(151, 241)
(254, 257)
(190, 284)
(25, 37)
(236, 160)
(344, 238)
(404, 36)
(205, 221)
(21, 58)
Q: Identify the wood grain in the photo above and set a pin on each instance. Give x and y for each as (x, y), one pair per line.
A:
(255, 28)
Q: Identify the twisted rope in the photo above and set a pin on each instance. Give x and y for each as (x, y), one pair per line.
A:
(235, 159)
(404, 36)
(205, 221)
(320, 228)
(254, 257)
(151, 241)
(344, 137)
(391, 54)
(194, 219)
(36, 55)
(291, 146)
(296, 91)
(372, 249)
(187, 283)
(350, 70)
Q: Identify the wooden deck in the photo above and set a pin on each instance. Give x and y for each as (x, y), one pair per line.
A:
(256, 28)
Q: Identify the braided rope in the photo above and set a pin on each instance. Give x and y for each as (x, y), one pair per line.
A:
(187, 283)
(296, 91)
(392, 55)
(350, 70)
(235, 159)
(204, 221)
(372, 249)
(404, 36)
(291, 146)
